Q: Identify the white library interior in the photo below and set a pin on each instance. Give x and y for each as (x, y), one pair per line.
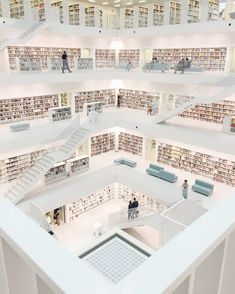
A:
(117, 146)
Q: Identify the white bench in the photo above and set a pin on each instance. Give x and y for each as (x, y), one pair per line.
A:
(125, 161)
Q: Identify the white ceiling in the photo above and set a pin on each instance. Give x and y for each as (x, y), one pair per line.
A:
(123, 3)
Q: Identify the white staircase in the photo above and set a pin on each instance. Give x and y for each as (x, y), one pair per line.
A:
(26, 36)
(32, 175)
(197, 100)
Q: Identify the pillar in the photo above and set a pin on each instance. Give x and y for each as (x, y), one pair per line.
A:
(122, 18)
(166, 17)
(47, 7)
(66, 11)
(204, 9)
(5, 9)
(27, 10)
(135, 17)
(184, 12)
(82, 14)
(150, 14)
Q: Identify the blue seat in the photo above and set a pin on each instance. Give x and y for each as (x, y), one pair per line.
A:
(203, 188)
(21, 126)
(154, 170)
(125, 161)
(167, 176)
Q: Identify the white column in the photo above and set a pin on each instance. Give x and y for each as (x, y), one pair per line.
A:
(3, 276)
(135, 17)
(228, 61)
(150, 14)
(122, 18)
(82, 14)
(48, 12)
(72, 103)
(66, 11)
(97, 17)
(184, 11)
(204, 8)
(166, 17)
(5, 8)
(228, 9)
(28, 14)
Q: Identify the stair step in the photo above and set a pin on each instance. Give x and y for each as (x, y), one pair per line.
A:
(17, 189)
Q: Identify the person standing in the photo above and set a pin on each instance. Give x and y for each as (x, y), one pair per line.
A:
(135, 205)
(130, 210)
(185, 187)
(65, 64)
(119, 100)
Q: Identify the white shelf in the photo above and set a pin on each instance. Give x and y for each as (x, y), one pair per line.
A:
(102, 143)
(60, 113)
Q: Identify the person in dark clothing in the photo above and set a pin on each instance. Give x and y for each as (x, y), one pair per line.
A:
(135, 205)
(65, 64)
(119, 100)
(130, 210)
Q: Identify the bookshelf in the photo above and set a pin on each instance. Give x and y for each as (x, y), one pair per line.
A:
(127, 194)
(36, 58)
(140, 100)
(232, 125)
(106, 96)
(13, 167)
(158, 14)
(78, 165)
(102, 143)
(90, 17)
(60, 113)
(57, 172)
(65, 99)
(213, 10)
(85, 63)
(74, 14)
(126, 55)
(39, 6)
(130, 143)
(213, 113)
(181, 99)
(211, 59)
(193, 11)
(175, 12)
(95, 106)
(217, 169)
(128, 18)
(105, 58)
(76, 208)
(16, 8)
(142, 17)
(18, 109)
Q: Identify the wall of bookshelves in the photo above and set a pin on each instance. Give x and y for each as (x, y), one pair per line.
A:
(90, 16)
(57, 172)
(175, 12)
(126, 194)
(60, 113)
(105, 58)
(102, 143)
(193, 11)
(211, 59)
(76, 208)
(39, 7)
(132, 55)
(16, 8)
(106, 96)
(130, 143)
(140, 100)
(158, 14)
(213, 113)
(213, 10)
(217, 169)
(18, 109)
(13, 167)
(74, 14)
(40, 58)
(142, 17)
(128, 18)
(77, 165)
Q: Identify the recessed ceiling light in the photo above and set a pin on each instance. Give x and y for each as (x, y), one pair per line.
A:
(105, 3)
(117, 5)
(117, 1)
(142, 1)
(129, 3)
(93, 1)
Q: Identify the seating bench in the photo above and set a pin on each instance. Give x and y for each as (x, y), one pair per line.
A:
(154, 170)
(167, 176)
(125, 161)
(203, 188)
(21, 126)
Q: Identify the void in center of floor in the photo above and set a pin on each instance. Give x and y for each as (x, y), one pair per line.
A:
(115, 257)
